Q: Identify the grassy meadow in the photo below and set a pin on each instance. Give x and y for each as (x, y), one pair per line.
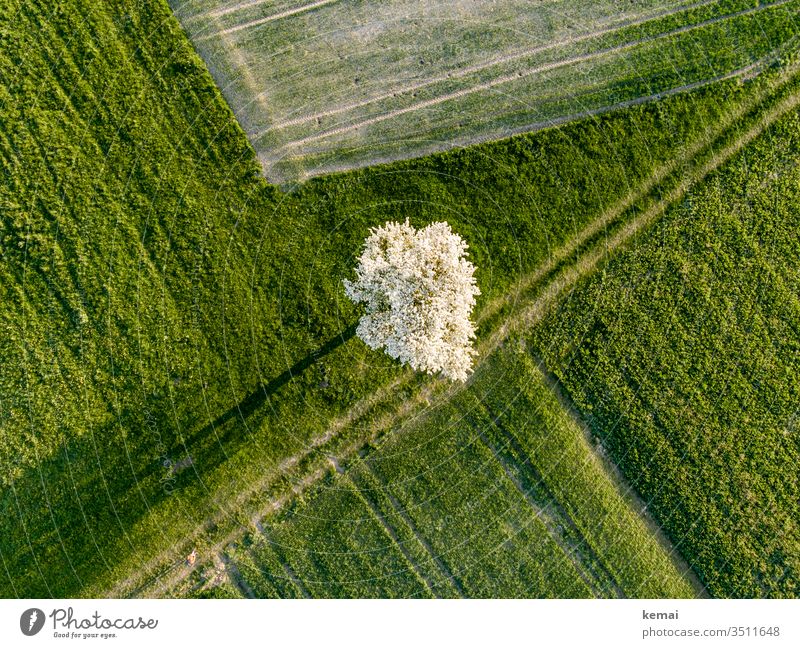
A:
(176, 361)
(495, 492)
(684, 355)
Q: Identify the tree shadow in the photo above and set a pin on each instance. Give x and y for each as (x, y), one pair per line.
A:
(64, 519)
(255, 399)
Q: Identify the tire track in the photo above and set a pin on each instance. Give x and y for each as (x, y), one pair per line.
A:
(235, 577)
(422, 577)
(478, 67)
(566, 278)
(287, 568)
(507, 78)
(403, 515)
(531, 483)
(267, 161)
(262, 21)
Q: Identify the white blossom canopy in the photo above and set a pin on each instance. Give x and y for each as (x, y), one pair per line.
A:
(419, 290)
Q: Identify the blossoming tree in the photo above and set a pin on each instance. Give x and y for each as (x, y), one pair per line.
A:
(419, 290)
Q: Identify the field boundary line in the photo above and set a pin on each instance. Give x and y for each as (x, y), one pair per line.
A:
(568, 276)
(627, 492)
(569, 549)
(507, 78)
(551, 508)
(478, 67)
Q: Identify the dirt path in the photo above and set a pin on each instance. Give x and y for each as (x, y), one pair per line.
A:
(477, 67)
(515, 76)
(566, 278)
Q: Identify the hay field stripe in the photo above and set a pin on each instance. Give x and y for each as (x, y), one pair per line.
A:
(530, 128)
(267, 19)
(507, 78)
(478, 67)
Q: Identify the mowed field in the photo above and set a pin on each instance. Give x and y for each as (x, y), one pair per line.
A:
(326, 86)
(177, 367)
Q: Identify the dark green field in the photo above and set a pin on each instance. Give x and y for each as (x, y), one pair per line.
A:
(684, 355)
(175, 357)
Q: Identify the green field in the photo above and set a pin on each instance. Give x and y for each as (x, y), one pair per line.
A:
(330, 86)
(684, 354)
(177, 365)
(493, 493)
(433, 507)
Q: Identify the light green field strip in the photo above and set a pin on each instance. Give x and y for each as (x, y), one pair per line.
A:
(332, 86)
